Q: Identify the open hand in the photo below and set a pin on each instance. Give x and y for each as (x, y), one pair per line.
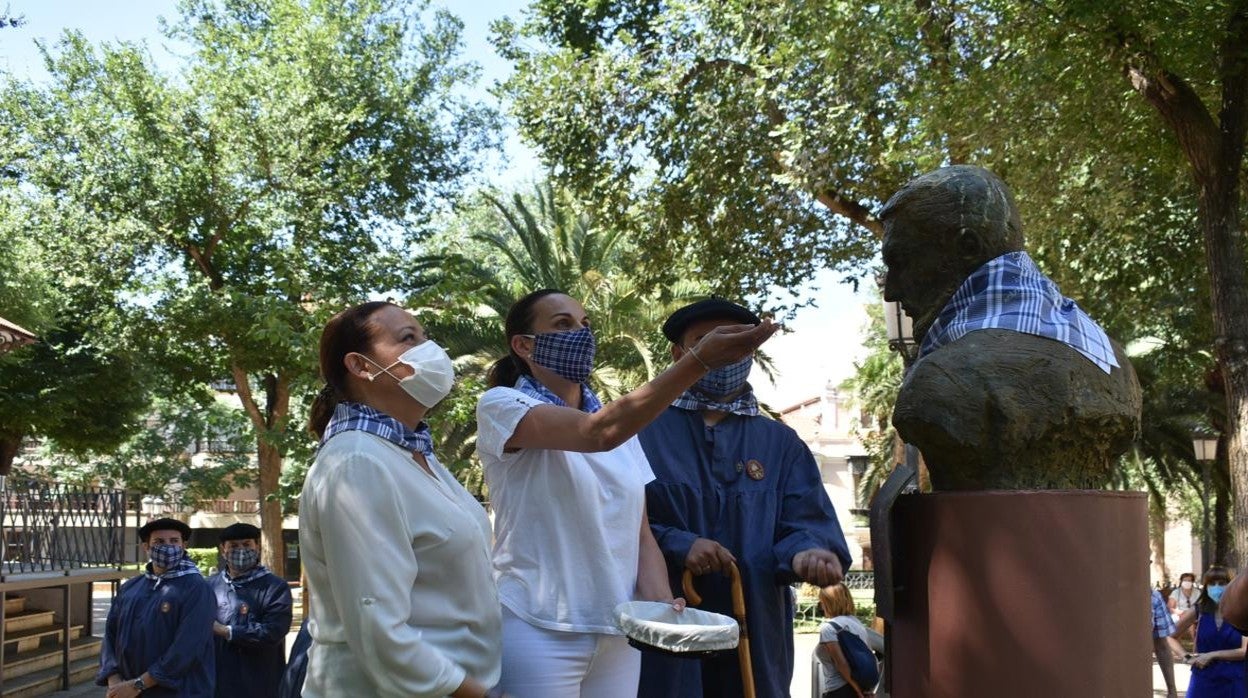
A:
(728, 344)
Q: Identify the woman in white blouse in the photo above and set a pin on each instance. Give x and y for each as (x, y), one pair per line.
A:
(396, 551)
(566, 477)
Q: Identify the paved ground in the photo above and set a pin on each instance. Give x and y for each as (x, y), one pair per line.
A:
(804, 645)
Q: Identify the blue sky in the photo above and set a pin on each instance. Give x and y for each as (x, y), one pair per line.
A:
(824, 341)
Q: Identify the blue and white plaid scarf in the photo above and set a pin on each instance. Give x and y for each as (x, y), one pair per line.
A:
(529, 386)
(1011, 293)
(182, 568)
(744, 404)
(353, 416)
(235, 582)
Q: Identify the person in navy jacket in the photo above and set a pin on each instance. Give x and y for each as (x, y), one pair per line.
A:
(253, 617)
(733, 486)
(158, 636)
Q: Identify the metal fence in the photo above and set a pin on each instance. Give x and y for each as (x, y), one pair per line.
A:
(53, 527)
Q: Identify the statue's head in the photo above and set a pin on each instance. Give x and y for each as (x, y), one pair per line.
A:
(938, 229)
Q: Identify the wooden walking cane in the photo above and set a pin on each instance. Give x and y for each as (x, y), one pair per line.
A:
(738, 612)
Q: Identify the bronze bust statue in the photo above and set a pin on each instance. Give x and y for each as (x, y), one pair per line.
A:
(1015, 387)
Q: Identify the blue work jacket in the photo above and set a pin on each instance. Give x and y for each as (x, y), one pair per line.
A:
(753, 486)
(162, 627)
(258, 613)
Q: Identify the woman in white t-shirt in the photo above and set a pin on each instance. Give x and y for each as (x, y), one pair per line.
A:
(838, 607)
(566, 477)
(1184, 596)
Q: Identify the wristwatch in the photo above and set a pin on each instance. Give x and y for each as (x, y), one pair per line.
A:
(139, 685)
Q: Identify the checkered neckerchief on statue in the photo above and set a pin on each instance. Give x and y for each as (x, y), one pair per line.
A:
(529, 386)
(1011, 293)
(354, 416)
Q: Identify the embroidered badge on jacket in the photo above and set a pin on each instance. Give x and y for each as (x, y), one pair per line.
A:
(165, 607)
(754, 469)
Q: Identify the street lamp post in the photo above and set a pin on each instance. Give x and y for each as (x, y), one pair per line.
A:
(900, 331)
(1206, 450)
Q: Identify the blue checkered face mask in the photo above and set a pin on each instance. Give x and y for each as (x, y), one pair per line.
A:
(725, 380)
(165, 555)
(569, 354)
(242, 559)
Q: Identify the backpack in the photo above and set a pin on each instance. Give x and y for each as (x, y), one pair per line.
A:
(863, 668)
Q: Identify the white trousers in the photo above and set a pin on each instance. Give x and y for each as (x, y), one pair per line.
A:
(541, 663)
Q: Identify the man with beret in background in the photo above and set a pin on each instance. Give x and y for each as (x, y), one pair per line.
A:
(733, 486)
(158, 636)
(253, 617)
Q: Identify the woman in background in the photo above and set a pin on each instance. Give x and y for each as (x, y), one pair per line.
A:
(1218, 664)
(838, 608)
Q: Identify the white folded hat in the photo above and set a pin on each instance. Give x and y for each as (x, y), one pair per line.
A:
(658, 625)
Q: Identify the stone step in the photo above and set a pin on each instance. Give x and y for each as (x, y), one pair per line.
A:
(31, 638)
(14, 605)
(48, 655)
(46, 681)
(26, 620)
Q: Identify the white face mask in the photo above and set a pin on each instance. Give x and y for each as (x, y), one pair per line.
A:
(433, 374)
(1186, 585)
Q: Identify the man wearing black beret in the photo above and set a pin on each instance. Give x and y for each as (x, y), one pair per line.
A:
(158, 637)
(733, 486)
(253, 617)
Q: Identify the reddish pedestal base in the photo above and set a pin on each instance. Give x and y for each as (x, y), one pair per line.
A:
(1021, 594)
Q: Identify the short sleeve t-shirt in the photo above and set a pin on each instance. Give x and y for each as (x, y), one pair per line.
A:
(566, 524)
(1183, 603)
(832, 679)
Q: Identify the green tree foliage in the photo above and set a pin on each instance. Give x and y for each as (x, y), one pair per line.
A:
(278, 177)
(763, 135)
(75, 386)
(189, 450)
(873, 388)
(507, 246)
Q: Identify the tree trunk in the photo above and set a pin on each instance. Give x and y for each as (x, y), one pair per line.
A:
(271, 419)
(1219, 213)
(1222, 544)
(9, 446)
(1157, 535)
(272, 546)
(1215, 151)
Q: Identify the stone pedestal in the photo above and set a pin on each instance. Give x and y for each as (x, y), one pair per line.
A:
(1022, 594)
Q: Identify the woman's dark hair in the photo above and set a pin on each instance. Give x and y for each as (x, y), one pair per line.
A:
(1216, 574)
(349, 331)
(1186, 576)
(519, 320)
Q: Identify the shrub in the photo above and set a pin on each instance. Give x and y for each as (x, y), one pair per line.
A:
(206, 559)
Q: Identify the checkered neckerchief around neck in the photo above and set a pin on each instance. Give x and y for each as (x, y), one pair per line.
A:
(353, 416)
(531, 387)
(257, 571)
(744, 404)
(184, 567)
(1011, 293)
